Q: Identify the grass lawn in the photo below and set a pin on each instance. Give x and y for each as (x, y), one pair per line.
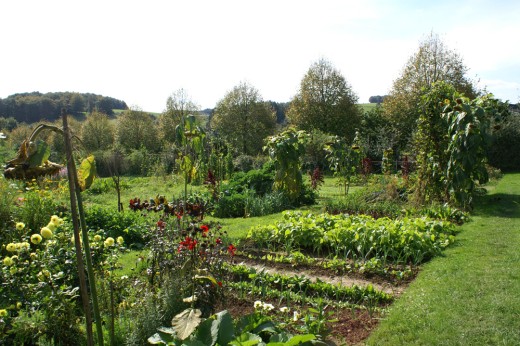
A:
(471, 296)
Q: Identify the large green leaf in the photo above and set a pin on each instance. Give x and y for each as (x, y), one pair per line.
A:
(186, 322)
(288, 340)
(247, 339)
(38, 153)
(87, 172)
(226, 329)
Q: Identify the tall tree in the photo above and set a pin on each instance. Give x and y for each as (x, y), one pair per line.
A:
(243, 119)
(97, 132)
(325, 102)
(178, 106)
(433, 62)
(136, 129)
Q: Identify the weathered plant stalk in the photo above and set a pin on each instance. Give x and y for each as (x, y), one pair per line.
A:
(77, 241)
(76, 191)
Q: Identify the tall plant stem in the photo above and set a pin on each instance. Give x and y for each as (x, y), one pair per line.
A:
(77, 242)
(76, 191)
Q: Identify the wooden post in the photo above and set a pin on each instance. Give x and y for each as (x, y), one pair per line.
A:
(76, 226)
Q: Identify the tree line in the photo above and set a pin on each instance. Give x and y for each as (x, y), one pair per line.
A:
(325, 105)
(34, 106)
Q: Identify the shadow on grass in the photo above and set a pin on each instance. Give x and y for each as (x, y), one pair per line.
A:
(498, 204)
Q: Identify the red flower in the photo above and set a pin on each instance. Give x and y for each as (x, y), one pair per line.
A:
(161, 224)
(219, 283)
(231, 249)
(188, 243)
(218, 241)
(204, 228)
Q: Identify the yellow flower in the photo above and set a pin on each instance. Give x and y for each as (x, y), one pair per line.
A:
(33, 255)
(19, 305)
(55, 220)
(46, 233)
(8, 261)
(120, 240)
(26, 245)
(97, 237)
(11, 247)
(109, 241)
(36, 239)
(20, 226)
(3, 312)
(13, 270)
(51, 226)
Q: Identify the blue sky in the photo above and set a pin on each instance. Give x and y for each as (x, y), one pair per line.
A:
(141, 52)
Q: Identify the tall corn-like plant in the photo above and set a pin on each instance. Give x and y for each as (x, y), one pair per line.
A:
(467, 149)
(344, 159)
(286, 150)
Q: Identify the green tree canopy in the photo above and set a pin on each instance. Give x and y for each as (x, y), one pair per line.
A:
(136, 129)
(178, 106)
(97, 132)
(325, 102)
(433, 62)
(243, 119)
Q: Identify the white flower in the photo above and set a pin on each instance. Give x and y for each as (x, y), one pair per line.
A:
(284, 309)
(258, 304)
(296, 316)
(268, 307)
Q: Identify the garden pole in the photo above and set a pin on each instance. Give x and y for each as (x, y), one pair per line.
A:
(77, 191)
(77, 239)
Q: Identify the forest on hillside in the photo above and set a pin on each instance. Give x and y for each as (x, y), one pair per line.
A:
(34, 106)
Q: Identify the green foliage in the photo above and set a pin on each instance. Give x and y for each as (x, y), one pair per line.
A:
(398, 241)
(433, 62)
(431, 141)
(97, 132)
(325, 102)
(233, 205)
(372, 201)
(36, 207)
(243, 119)
(7, 198)
(467, 150)
(218, 329)
(131, 226)
(286, 150)
(344, 159)
(87, 172)
(38, 283)
(503, 152)
(136, 129)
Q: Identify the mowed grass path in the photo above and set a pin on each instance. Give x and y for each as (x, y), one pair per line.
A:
(471, 296)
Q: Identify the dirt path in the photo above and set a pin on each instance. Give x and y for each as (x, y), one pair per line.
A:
(344, 280)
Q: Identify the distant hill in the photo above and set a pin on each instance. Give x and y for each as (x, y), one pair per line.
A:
(35, 106)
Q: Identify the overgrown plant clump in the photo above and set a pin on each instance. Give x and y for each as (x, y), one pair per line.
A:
(39, 284)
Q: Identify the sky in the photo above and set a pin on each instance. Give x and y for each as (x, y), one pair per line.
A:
(143, 51)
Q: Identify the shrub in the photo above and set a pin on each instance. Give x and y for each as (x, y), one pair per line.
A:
(131, 226)
(261, 181)
(505, 146)
(36, 207)
(231, 206)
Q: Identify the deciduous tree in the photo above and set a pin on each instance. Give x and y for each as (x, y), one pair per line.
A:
(178, 106)
(136, 129)
(97, 132)
(433, 62)
(243, 119)
(325, 102)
